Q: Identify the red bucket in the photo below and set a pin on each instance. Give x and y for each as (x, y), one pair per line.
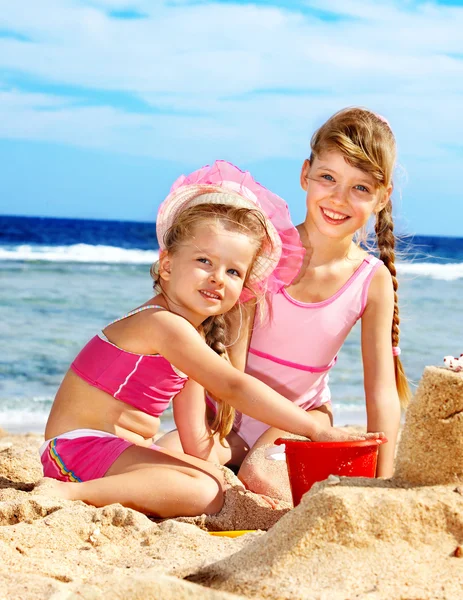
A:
(309, 462)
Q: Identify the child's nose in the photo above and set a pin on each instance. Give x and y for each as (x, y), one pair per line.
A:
(340, 194)
(217, 276)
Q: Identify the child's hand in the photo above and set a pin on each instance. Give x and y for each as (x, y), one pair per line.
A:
(335, 434)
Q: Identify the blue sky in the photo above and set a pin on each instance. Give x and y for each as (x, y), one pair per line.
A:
(103, 103)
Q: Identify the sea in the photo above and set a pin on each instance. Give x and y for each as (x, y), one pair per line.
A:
(63, 280)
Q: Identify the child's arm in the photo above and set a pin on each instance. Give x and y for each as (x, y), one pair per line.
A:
(180, 344)
(190, 408)
(382, 400)
(240, 332)
(192, 425)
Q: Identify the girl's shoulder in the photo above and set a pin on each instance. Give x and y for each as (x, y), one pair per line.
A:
(144, 310)
(144, 329)
(160, 316)
(359, 255)
(381, 289)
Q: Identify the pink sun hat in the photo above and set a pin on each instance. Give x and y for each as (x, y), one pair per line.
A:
(223, 183)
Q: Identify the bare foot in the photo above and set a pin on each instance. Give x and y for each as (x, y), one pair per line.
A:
(55, 488)
(273, 502)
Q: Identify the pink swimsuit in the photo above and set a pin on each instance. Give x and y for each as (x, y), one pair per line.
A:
(147, 382)
(296, 350)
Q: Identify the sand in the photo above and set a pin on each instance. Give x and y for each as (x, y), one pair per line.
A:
(431, 445)
(349, 538)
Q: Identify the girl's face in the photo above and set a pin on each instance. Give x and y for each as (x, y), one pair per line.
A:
(340, 198)
(205, 275)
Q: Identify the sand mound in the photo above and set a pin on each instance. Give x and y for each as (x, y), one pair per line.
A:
(344, 541)
(45, 543)
(431, 447)
(371, 538)
(149, 584)
(242, 509)
(50, 546)
(353, 538)
(20, 466)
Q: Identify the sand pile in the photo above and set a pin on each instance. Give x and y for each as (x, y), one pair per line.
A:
(359, 538)
(20, 466)
(148, 584)
(50, 547)
(349, 538)
(46, 543)
(371, 538)
(431, 446)
(241, 510)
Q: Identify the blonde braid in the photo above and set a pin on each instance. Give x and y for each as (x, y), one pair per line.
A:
(215, 334)
(154, 272)
(386, 243)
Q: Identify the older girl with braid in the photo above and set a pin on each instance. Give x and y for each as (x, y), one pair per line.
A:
(348, 182)
(217, 245)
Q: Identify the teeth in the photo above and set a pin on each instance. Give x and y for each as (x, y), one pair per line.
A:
(333, 215)
(210, 295)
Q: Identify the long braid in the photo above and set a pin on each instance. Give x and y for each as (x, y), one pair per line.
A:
(154, 272)
(384, 229)
(215, 334)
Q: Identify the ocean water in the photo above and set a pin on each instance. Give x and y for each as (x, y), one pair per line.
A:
(62, 280)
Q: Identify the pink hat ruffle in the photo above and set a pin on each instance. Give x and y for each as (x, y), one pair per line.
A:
(223, 174)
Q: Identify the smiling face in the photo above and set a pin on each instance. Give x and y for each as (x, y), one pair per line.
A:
(205, 275)
(340, 198)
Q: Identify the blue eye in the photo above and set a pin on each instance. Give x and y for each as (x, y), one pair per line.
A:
(205, 261)
(234, 272)
(328, 177)
(361, 188)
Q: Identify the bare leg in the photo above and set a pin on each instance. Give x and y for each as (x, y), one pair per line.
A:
(264, 476)
(270, 477)
(170, 441)
(234, 451)
(159, 483)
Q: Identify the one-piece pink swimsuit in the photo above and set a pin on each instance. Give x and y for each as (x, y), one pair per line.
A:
(294, 352)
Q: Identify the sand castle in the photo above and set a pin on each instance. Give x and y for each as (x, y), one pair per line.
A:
(349, 538)
(431, 446)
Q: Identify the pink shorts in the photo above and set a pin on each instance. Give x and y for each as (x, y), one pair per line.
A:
(82, 454)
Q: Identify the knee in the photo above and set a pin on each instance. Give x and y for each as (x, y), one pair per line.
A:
(214, 496)
(260, 475)
(209, 495)
(253, 477)
(266, 477)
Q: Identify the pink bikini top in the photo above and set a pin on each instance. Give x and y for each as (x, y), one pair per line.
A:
(294, 352)
(146, 381)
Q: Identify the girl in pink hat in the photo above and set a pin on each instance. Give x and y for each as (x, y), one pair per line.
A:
(347, 179)
(217, 245)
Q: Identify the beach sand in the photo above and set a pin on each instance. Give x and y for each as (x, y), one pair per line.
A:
(349, 538)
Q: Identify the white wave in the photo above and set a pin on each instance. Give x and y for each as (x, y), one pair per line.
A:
(23, 421)
(87, 253)
(80, 253)
(444, 272)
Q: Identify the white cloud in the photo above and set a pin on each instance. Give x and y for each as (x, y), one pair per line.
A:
(208, 61)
